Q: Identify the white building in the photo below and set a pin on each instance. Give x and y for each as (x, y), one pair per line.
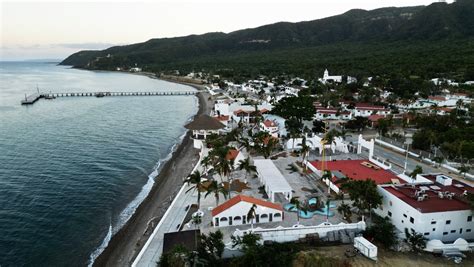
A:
(332, 114)
(436, 209)
(235, 210)
(272, 179)
(203, 126)
(365, 110)
(270, 127)
(328, 78)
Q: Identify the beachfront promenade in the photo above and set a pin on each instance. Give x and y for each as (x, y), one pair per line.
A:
(174, 216)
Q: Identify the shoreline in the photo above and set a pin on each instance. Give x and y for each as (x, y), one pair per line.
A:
(127, 242)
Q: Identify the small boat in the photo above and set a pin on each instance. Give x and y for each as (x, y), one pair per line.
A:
(48, 96)
(100, 95)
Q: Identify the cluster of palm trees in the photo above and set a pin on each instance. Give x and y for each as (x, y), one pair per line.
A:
(218, 161)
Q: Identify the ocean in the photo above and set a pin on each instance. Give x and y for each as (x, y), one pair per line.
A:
(73, 170)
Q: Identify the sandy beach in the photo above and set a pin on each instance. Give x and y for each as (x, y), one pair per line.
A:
(128, 241)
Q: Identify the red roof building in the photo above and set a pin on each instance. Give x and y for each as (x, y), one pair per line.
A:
(239, 198)
(436, 208)
(356, 170)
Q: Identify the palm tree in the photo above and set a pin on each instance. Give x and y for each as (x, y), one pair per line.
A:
(268, 145)
(304, 151)
(418, 170)
(244, 164)
(345, 210)
(206, 162)
(251, 215)
(328, 204)
(295, 201)
(196, 180)
(216, 189)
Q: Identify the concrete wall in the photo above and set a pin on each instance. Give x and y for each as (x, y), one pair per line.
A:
(290, 234)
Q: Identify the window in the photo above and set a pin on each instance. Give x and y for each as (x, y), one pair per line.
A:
(264, 216)
(276, 215)
(237, 218)
(453, 231)
(445, 233)
(433, 222)
(469, 218)
(389, 214)
(223, 219)
(468, 230)
(404, 215)
(448, 222)
(403, 221)
(426, 233)
(434, 229)
(412, 220)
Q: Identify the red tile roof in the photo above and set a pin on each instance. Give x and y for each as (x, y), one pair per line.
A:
(232, 154)
(355, 170)
(363, 106)
(269, 123)
(331, 111)
(438, 98)
(432, 204)
(233, 201)
(222, 118)
(375, 117)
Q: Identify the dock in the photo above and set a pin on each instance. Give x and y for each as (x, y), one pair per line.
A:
(31, 99)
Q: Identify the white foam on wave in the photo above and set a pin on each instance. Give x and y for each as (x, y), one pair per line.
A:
(127, 213)
(101, 248)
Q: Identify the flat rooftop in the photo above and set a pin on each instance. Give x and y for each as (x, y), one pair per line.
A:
(433, 202)
(358, 170)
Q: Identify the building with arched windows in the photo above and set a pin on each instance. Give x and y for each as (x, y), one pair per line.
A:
(235, 211)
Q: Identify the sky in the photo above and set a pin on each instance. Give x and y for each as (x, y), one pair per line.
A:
(56, 29)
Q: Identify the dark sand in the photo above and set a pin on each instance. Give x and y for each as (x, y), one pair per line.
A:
(127, 243)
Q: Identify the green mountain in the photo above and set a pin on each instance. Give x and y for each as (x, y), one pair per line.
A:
(420, 40)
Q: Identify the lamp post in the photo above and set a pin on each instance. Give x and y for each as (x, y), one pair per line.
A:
(407, 142)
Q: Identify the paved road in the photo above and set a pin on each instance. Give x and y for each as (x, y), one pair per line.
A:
(398, 161)
(169, 224)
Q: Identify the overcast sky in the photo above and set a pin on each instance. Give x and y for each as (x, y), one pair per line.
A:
(55, 29)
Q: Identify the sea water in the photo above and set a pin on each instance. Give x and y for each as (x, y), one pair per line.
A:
(73, 170)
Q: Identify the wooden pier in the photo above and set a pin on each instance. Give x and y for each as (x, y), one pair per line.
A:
(31, 99)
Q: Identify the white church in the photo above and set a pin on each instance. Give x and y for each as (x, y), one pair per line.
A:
(327, 78)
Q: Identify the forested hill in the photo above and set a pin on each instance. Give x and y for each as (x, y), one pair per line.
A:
(420, 40)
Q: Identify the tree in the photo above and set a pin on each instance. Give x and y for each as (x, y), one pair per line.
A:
(416, 240)
(294, 128)
(244, 164)
(178, 257)
(211, 248)
(319, 126)
(300, 108)
(195, 180)
(295, 201)
(363, 193)
(382, 231)
(252, 213)
(345, 210)
(304, 151)
(463, 169)
(357, 124)
(216, 189)
(418, 170)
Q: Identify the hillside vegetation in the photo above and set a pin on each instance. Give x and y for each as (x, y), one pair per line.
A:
(436, 40)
